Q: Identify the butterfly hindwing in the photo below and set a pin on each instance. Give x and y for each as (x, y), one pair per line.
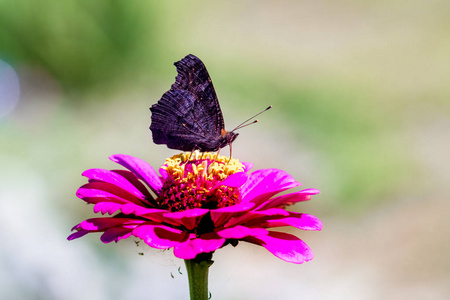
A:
(178, 121)
(188, 116)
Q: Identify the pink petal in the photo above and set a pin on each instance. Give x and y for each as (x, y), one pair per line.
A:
(263, 184)
(131, 177)
(284, 246)
(271, 212)
(160, 236)
(107, 207)
(194, 246)
(247, 166)
(239, 232)
(115, 234)
(188, 218)
(114, 179)
(298, 220)
(153, 214)
(289, 199)
(134, 209)
(141, 169)
(116, 228)
(138, 210)
(234, 180)
(222, 215)
(77, 234)
(101, 224)
(97, 191)
(156, 215)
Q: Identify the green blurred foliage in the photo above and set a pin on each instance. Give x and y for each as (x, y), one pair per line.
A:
(82, 43)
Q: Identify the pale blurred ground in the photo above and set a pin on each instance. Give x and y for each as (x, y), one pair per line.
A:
(361, 111)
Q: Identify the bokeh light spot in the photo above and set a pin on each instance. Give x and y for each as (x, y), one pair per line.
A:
(9, 89)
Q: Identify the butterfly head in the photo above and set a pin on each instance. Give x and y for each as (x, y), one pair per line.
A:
(227, 137)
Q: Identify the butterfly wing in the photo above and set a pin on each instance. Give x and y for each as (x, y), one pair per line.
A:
(178, 121)
(193, 76)
(188, 116)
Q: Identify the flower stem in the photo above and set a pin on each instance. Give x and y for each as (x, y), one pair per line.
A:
(197, 270)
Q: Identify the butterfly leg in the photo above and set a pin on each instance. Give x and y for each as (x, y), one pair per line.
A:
(230, 152)
(190, 154)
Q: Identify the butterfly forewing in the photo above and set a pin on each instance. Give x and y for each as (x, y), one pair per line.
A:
(193, 76)
(188, 116)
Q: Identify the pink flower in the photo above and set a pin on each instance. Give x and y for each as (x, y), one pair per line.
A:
(196, 206)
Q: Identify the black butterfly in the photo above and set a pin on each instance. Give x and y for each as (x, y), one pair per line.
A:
(188, 116)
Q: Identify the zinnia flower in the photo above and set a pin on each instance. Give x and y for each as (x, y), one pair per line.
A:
(198, 204)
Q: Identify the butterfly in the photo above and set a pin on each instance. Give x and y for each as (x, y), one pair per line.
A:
(188, 116)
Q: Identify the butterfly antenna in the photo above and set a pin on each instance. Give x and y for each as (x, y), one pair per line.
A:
(243, 124)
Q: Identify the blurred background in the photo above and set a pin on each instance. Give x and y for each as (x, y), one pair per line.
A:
(360, 93)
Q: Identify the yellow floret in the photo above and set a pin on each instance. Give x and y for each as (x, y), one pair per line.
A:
(220, 166)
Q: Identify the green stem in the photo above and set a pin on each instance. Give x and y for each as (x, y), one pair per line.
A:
(197, 270)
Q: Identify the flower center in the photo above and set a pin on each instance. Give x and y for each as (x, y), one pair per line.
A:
(192, 181)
